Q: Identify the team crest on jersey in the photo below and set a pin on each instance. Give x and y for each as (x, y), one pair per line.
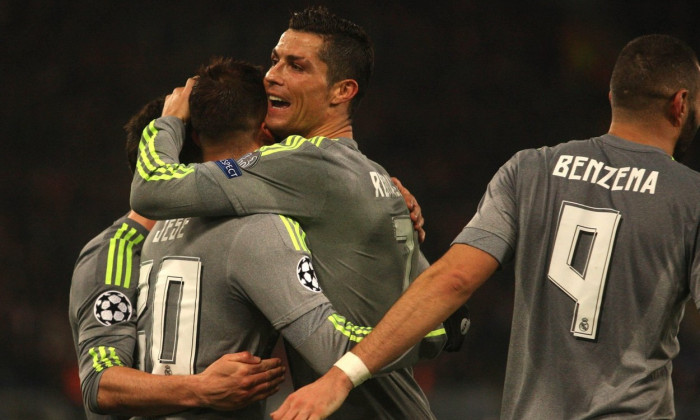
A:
(229, 167)
(307, 275)
(583, 326)
(112, 307)
(248, 160)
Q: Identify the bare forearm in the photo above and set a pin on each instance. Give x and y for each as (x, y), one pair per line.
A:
(405, 323)
(130, 391)
(434, 295)
(232, 382)
(431, 298)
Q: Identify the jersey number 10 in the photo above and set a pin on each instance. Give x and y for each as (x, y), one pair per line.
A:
(175, 306)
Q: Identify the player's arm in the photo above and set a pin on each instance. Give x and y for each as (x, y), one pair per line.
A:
(101, 311)
(104, 327)
(436, 293)
(286, 290)
(111, 385)
(163, 188)
(322, 336)
(455, 326)
(230, 383)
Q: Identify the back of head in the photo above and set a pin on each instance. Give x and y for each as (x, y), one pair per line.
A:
(228, 97)
(347, 50)
(138, 122)
(649, 70)
(135, 126)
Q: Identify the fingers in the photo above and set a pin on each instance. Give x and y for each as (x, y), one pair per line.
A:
(254, 366)
(273, 376)
(418, 221)
(398, 184)
(247, 357)
(190, 84)
(266, 383)
(291, 411)
(421, 235)
(270, 363)
(417, 215)
(177, 103)
(410, 201)
(243, 357)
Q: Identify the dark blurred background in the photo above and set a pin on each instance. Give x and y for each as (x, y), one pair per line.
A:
(459, 87)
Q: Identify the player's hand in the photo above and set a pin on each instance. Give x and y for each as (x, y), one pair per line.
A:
(177, 104)
(238, 379)
(317, 400)
(413, 207)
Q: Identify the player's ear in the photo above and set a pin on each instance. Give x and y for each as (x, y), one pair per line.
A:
(678, 109)
(195, 139)
(343, 91)
(264, 136)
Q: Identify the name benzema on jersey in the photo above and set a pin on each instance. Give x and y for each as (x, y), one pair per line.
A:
(582, 168)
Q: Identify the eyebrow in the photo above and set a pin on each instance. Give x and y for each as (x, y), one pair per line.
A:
(289, 57)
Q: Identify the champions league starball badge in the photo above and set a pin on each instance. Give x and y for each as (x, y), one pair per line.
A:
(307, 275)
(112, 307)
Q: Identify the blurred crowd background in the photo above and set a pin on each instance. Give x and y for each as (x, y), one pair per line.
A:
(459, 87)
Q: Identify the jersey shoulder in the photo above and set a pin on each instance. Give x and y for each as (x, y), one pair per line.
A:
(111, 255)
(294, 144)
(106, 273)
(270, 232)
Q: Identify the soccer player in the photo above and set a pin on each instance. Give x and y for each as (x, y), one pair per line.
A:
(605, 235)
(103, 322)
(218, 285)
(365, 250)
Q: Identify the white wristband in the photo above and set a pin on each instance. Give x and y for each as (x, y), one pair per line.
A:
(354, 367)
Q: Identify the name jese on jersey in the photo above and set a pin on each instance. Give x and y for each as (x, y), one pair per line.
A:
(585, 169)
(172, 229)
(383, 187)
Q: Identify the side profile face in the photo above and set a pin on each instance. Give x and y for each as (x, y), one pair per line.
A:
(690, 128)
(299, 97)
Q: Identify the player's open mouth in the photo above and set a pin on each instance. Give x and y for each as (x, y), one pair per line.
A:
(278, 102)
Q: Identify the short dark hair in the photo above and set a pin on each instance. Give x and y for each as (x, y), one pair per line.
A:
(135, 126)
(138, 122)
(653, 67)
(229, 96)
(347, 49)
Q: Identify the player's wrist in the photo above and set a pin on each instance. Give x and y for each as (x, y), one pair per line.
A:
(354, 368)
(195, 387)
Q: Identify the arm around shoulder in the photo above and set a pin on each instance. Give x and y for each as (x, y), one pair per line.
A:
(437, 293)
(230, 383)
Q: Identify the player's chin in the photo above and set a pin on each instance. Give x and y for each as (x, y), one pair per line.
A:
(277, 126)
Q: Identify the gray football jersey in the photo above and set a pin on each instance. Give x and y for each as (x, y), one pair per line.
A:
(211, 286)
(365, 249)
(102, 305)
(605, 235)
